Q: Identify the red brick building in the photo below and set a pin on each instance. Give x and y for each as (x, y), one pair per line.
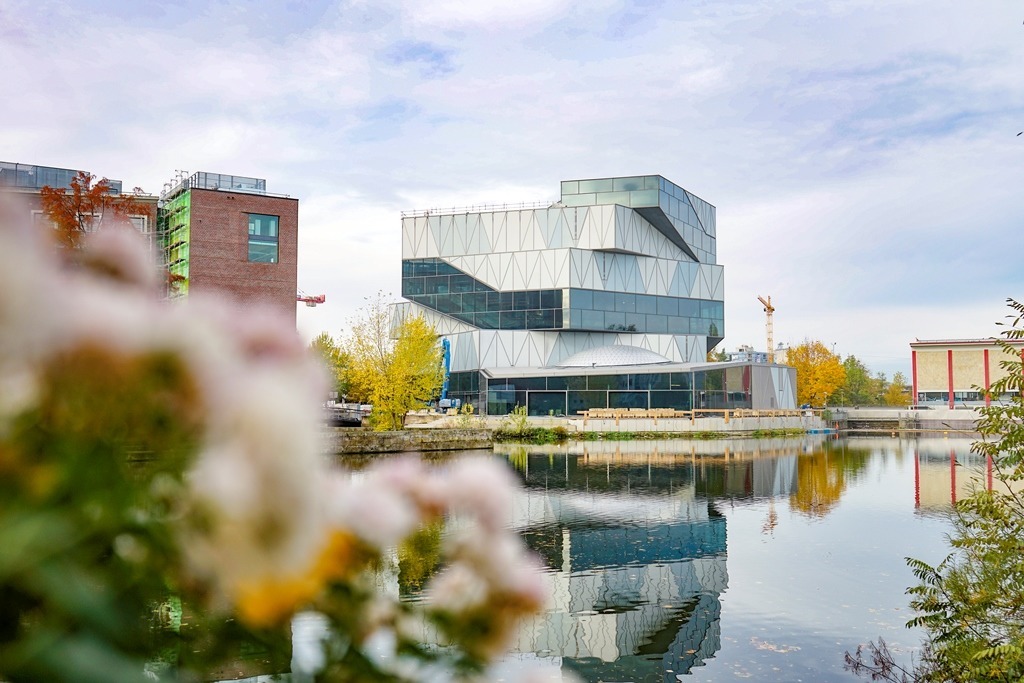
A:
(227, 234)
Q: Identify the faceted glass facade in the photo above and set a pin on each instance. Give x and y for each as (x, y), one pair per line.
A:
(444, 288)
(625, 261)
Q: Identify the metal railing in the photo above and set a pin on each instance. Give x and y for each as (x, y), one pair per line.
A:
(482, 208)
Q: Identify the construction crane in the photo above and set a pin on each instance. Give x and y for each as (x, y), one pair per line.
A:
(311, 301)
(768, 310)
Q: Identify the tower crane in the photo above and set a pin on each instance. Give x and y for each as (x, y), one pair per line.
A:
(768, 310)
(310, 301)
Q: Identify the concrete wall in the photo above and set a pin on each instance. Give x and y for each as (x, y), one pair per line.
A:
(341, 440)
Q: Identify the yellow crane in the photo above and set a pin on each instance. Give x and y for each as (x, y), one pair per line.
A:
(768, 310)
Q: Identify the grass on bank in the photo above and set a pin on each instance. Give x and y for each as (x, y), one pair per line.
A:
(545, 435)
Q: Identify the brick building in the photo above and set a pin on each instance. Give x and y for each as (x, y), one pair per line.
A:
(226, 233)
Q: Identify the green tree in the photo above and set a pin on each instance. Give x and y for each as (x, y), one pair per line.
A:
(330, 353)
(972, 603)
(857, 389)
(895, 393)
(819, 373)
(395, 373)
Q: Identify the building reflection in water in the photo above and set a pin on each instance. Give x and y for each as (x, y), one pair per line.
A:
(636, 547)
(946, 471)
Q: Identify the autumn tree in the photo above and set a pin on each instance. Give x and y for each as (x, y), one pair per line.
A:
(896, 393)
(395, 370)
(970, 603)
(819, 373)
(87, 205)
(327, 349)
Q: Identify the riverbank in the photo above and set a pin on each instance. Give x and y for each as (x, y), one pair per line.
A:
(428, 433)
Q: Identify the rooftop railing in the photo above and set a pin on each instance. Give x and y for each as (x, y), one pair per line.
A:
(482, 208)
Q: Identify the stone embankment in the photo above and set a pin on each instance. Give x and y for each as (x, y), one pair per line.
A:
(432, 432)
(347, 441)
(887, 420)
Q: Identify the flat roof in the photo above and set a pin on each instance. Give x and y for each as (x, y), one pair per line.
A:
(986, 341)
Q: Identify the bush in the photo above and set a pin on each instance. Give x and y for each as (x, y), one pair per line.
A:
(972, 603)
(164, 504)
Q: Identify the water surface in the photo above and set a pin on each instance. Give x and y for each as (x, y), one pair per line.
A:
(740, 559)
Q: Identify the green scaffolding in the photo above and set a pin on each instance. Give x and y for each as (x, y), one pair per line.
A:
(173, 223)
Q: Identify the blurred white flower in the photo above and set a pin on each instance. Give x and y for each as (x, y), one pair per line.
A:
(375, 512)
(483, 487)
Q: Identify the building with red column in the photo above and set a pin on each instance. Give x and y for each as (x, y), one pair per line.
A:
(953, 372)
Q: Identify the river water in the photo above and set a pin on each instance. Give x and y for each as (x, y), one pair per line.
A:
(746, 559)
(739, 559)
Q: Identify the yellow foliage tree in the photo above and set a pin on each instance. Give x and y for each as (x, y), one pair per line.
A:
(819, 372)
(395, 372)
(896, 393)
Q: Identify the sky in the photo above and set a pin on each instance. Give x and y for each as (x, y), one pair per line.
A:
(862, 155)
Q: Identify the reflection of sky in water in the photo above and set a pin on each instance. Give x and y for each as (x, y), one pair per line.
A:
(761, 559)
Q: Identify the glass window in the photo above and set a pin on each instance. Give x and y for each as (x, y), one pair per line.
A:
(627, 399)
(615, 321)
(550, 298)
(619, 184)
(546, 403)
(438, 284)
(513, 320)
(641, 198)
(263, 238)
(667, 306)
(680, 380)
(625, 302)
(602, 185)
(567, 382)
(581, 298)
(412, 286)
(592, 320)
(621, 198)
(461, 283)
(608, 382)
(656, 380)
(679, 325)
(570, 187)
(680, 400)
(488, 320)
(540, 320)
(656, 324)
(689, 308)
(585, 400)
(604, 301)
(645, 303)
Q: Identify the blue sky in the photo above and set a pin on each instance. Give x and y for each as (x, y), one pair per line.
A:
(862, 154)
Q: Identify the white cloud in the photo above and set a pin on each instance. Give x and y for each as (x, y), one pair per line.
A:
(862, 155)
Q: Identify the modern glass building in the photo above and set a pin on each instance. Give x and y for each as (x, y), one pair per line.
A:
(607, 297)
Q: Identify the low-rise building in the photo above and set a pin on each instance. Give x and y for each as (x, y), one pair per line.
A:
(954, 372)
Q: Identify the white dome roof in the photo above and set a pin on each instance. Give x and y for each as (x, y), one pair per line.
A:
(612, 355)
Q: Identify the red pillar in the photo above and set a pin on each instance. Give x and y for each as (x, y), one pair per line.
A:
(949, 373)
(917, 479)
(988, 470)
(987, 399)
(913, 376)
(952, 476)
